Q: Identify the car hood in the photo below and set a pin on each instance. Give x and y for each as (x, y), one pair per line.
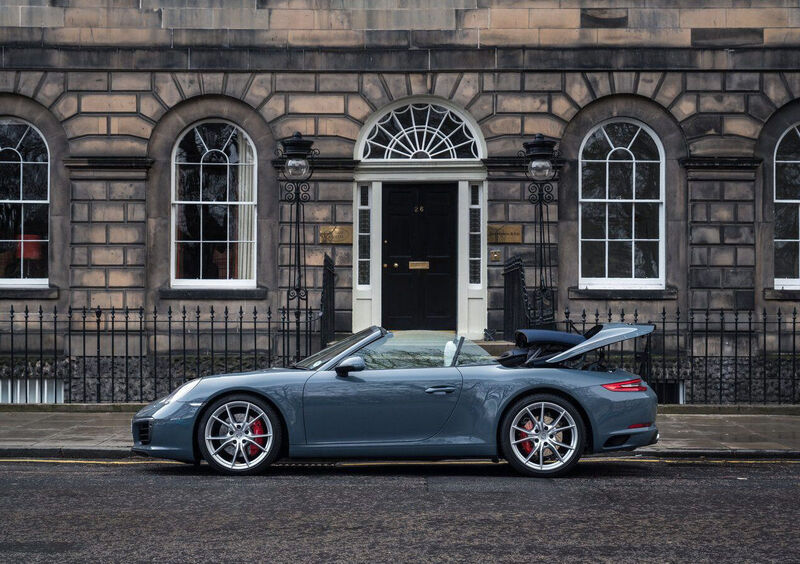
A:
(264, 372)
(601, 336)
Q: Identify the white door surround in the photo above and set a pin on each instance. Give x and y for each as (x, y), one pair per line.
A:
(471, 309)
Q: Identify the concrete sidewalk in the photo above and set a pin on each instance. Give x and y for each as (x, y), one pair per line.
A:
(108, 435)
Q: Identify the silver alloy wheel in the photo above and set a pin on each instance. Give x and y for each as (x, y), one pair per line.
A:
(230, 435)
(549, 431)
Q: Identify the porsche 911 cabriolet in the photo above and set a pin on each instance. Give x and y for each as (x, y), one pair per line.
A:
(413, 394)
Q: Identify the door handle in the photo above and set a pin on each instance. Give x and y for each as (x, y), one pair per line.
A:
(440, 390)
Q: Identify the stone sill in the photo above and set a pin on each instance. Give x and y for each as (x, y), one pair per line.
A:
(32, 293)
(259, 293)
(788, 295)
(575, 293)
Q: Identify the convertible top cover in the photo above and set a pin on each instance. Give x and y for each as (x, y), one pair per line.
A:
(601, 336)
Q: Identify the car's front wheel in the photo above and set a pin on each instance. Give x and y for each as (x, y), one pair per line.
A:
(542, 435)
(239, 434)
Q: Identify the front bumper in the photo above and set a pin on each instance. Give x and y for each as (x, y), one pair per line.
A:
(169, 431)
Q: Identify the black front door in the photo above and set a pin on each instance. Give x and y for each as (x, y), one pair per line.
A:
(419, 256)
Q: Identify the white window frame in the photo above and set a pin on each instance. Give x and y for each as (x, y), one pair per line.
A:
(30, 282)
(203, 283)
(595, 283)
(783, 283)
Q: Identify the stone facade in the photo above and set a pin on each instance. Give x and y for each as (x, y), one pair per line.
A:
(122, 78)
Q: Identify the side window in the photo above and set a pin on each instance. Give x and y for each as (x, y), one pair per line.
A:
(24, 204)
(409, 350)
(787, 204)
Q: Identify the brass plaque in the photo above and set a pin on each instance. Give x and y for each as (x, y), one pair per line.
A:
(502, 233)
(419, 265)
(336, 234)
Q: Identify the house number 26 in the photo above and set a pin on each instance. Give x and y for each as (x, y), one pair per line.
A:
(419, 209)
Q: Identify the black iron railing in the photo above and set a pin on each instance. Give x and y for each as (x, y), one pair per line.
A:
(99, 355)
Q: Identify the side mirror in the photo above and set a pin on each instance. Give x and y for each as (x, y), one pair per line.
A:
(350, 364)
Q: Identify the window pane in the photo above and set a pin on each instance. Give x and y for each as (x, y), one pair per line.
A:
(363, 272)
(187, 260)
(596, 146)
(188, 179)
(241, 223)
(32, 148)
(786, 260)
(474, 200)
(11, 132)
(644, 147)
(10, 221)
(787, 181)
(10, 261)
(620, 224)
(190, 149)
(34, 259)
(35, 221)
(786, 221)
(646, 259)
(475, 245)
(241, 261)
(475, 220)
(620, 180)
(215, 223)
(215, 261)
(364, 196)
(621, 133)
(475, 271)
(241, 184)
(215, 183)
(363, 246)
(593, 221)
(216, 134)
(619, 259)
(789, 149)
(34, 181)
(647, 181)
(593, 259)
(620, 155)
(9, 176)
(363, 221)
(187, 223)
(594, 180)
(647, 221)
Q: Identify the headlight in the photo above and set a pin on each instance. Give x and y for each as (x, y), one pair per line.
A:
(182, 390)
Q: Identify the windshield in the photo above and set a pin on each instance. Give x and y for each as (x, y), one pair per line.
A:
(323, 356)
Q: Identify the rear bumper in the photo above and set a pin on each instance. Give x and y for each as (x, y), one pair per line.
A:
(630, 439)
(170, 429)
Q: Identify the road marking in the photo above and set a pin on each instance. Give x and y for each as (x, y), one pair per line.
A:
(115, 462)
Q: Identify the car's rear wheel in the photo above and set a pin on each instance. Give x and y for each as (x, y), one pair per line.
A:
(542, 435)
(239, 434)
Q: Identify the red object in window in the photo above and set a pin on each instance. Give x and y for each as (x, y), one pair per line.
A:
(30, 247)
(627, 386)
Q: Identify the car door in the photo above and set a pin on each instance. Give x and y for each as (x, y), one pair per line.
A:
(404, 396)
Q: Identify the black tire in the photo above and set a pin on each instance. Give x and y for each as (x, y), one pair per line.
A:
(530, 441)
(245, 440)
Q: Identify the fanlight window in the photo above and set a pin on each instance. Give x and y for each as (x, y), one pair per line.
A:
(621, 208)
(421, 131)
(787, 206)
(24, 204)
(214, 207)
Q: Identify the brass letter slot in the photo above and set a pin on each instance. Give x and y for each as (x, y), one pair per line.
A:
(419, 265)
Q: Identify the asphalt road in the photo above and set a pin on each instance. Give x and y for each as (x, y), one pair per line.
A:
(619, 510)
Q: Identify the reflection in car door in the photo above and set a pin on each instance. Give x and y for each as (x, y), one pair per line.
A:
(379, 406)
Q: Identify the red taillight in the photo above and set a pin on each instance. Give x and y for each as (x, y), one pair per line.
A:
(627, 386)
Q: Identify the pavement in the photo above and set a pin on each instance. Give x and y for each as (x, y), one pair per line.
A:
(623, 509)
(108, 435)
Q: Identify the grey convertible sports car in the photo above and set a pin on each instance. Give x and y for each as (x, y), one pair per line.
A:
(413, 394)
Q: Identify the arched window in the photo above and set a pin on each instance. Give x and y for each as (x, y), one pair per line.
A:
(24, 204)
(787, 203)
(421, 131)
(214, 207)
(621, 207)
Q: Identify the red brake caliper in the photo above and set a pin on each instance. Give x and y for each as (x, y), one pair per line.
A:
(257, 428)
(526, 446)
